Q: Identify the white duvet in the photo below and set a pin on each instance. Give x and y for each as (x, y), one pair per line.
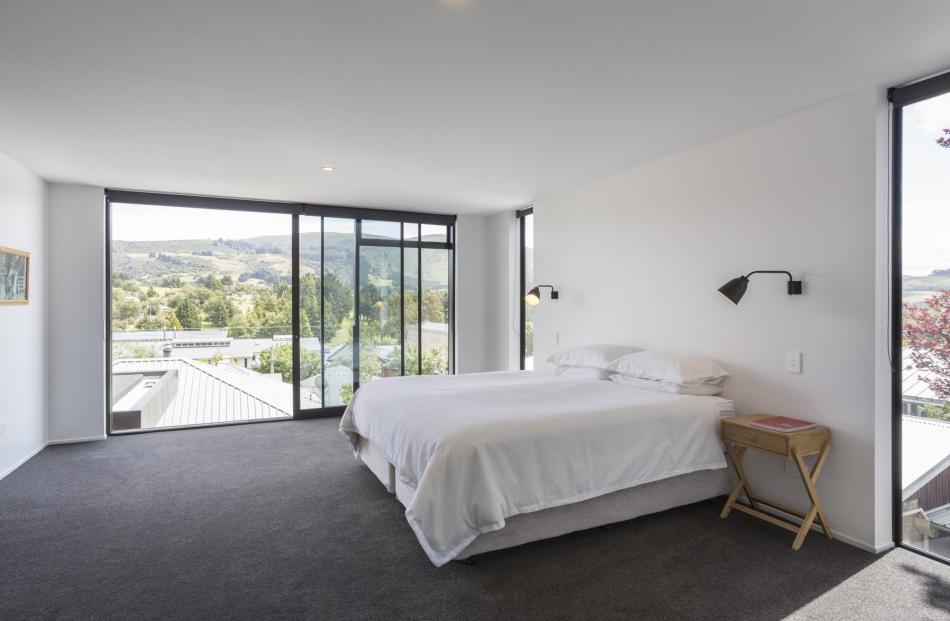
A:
(483, 447)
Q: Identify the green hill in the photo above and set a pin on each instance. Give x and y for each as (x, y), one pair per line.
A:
(267, 258)
(917, 289)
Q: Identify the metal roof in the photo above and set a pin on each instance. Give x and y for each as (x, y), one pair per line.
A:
(168, 335)
(210, 394)
(940, 516)
(925, 451)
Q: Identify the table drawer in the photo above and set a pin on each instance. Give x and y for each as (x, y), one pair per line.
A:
(758, 439)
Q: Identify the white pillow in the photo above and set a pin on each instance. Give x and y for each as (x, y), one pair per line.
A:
(669, 368)
(703, 390)
(582, 372)
(595, 356)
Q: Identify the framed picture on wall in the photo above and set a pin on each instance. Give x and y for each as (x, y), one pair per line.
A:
(14, 276)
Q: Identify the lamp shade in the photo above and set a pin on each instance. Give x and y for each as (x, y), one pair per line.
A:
(533, 297)
(735, 289)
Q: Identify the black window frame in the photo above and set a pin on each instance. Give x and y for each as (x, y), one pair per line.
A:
(295, 210)
(522, 284)
(899, 98)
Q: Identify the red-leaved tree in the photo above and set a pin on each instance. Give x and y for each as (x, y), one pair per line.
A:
(944, 141)
(927, 334)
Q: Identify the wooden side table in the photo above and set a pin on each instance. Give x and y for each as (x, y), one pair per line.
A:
(739, 435)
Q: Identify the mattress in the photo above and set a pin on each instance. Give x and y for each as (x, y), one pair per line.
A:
(612, 508)
(476, 450)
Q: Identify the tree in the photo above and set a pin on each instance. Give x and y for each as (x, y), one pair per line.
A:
(309, 363)
(219, 310)
(338, 303)
(126, 310)
(433, 308)
(306, 326)
(150, 322)
(171, 322)
(243, 326)
(309, 305)
(129, 351)
(343, 334)
(212, 282)
(433, 362)
(927, 335)
(282, 356)
(188, 314)
(944, 141)
(940, 412)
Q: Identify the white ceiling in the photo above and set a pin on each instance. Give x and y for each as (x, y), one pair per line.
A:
(478, 105)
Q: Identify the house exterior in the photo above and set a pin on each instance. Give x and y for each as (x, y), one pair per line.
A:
(925, 482)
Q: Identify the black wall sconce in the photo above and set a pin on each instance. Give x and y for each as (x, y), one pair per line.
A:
(735, 288)
(533, 297)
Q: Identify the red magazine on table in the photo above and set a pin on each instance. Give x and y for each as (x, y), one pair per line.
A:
(782, 423)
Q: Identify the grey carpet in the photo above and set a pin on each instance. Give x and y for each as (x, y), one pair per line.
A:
(279, 521)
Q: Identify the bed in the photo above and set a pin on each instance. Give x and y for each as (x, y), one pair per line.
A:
(493, 460)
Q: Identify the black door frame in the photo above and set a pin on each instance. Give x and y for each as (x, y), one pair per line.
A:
(295, 210)
(899, 97)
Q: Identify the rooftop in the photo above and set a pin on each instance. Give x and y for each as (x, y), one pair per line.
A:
(209, 394)
(926, 451)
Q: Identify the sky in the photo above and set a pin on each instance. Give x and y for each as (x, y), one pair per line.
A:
(926, 193)
(147, 223)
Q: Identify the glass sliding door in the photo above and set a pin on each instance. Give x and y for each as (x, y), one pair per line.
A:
(200, 319)
(526, 235)
(310, 313)
(411, 321)
(224, 311)
(435, 311)
(380, 313)
(921, 348)
(387, 295)
(339, 309)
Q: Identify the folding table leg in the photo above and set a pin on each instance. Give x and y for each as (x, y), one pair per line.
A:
(736, 453)
(815, 510)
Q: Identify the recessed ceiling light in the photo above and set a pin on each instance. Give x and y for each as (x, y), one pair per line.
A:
(327, 169)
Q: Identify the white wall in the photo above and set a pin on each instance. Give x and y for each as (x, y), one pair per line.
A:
(23, 328)
(503, 254)
(76, 236)
(487, 270)
(638, 256)
(471, 312)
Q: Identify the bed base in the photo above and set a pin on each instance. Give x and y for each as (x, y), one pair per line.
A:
(600, 511)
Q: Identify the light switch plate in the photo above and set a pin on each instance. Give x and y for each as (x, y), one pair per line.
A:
(793, 361)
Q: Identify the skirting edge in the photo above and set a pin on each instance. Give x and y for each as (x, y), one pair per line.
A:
(25, 459)
(839, 536)
(76, 440)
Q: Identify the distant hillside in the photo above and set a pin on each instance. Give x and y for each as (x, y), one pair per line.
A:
(938, 280)
(917, 289)
(266, 257)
